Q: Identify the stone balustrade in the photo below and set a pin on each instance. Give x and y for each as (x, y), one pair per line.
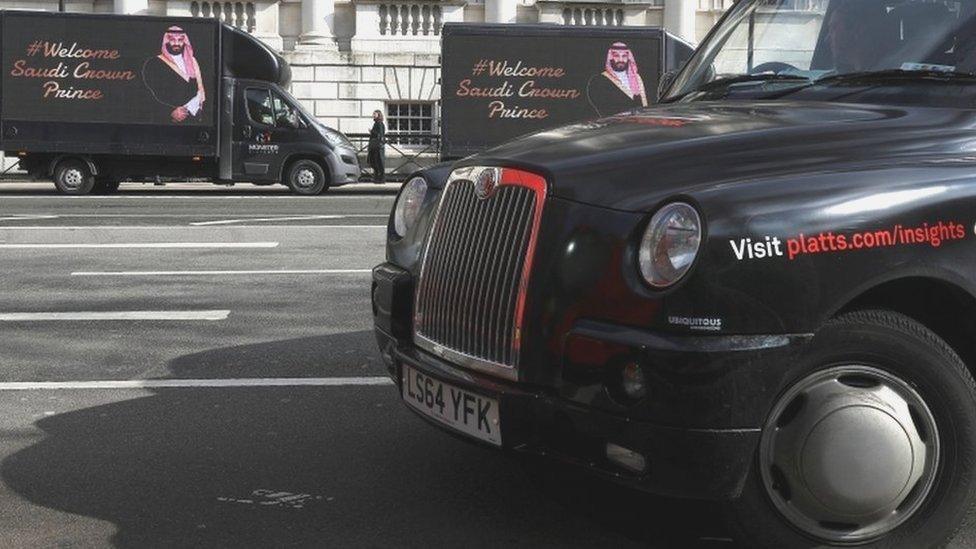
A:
(390, 27)
(593, 16)
(240, 15)
(418, 19)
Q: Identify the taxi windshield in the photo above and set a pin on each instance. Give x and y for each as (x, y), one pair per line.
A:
(774, 48)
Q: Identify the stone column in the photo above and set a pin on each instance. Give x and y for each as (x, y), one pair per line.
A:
(131, 7)
(501, 11)
(679, 18)
(318, 24)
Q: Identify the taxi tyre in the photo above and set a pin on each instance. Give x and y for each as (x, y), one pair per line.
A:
(304, 168)
(73, 176)
(897, 344)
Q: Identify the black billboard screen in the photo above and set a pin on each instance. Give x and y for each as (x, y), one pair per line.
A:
(498, 83)
(103, 69)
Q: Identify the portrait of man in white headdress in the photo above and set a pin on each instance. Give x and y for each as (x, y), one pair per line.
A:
(173, 77)
(620, 86)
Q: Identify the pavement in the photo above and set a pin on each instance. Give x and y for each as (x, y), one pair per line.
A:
(194, 366)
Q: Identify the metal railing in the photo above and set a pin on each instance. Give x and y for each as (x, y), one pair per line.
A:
(405, 153)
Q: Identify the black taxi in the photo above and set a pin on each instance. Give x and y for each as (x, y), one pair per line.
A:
(761, 291)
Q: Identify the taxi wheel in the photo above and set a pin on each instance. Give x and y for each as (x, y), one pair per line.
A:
(306, 177)
(873, 444)
(73, 177)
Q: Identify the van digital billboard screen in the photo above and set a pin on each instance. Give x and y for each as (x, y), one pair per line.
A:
(502, 81)
(103, 69)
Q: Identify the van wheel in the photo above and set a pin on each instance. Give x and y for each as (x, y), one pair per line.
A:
(106, 186)
(73, 177)
(872, 444)
(306, 177)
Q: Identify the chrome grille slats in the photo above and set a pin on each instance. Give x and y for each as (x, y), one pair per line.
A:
(454, 271)
(515, 259)
(479, 307)
(492, 276)
(433, 319)
(500, 326)
(468, 290)
(448, 316)
(441, 285)
(482, 322)
(468, 273)
(465, 269)
(507, 325)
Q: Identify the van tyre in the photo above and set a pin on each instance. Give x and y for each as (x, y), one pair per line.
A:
(73, 177)
(872, 443)
(306, 177)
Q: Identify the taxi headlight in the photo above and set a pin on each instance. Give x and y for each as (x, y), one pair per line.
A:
(670, 244)
(408, 205)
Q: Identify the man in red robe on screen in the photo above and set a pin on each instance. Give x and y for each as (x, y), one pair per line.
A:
(620, 86)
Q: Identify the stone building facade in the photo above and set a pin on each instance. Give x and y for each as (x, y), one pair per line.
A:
(351, 57)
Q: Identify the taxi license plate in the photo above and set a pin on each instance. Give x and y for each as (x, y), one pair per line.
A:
(461, 410)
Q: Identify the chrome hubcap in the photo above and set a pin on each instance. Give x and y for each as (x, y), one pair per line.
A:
(849, 453)
(305, 178)
(73, 177)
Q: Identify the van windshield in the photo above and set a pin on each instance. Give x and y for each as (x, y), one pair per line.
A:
(828, 49)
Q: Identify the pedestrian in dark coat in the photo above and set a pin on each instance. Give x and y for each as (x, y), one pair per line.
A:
(376, 154)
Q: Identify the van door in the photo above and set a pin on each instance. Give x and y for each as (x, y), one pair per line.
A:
(254, 149)
(267, 129)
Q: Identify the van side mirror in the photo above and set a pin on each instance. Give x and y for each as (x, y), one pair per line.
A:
(665, 82)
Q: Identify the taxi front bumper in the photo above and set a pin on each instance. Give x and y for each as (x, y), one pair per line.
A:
(710, 464)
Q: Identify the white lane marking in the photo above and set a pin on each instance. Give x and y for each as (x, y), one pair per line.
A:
(221, 273)
(259, 219)
(184, 227)
(174, 216)
(199, 197)
(191, 383)
(148, 245)
(113, 315)
(26, 217)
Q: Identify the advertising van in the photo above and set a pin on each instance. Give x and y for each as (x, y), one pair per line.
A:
(91, 100)
(535, 77)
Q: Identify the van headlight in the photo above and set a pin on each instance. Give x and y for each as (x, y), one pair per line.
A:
(334, 138)
(670, 244)
(408, 205)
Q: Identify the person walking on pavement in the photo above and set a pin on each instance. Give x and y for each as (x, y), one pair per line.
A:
(377, 139)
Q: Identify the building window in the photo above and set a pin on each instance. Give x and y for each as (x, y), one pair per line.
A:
(412, 123)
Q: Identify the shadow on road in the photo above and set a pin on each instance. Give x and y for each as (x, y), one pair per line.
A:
(310, 466)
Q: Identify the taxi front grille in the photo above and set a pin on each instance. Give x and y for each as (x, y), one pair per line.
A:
(468, 296)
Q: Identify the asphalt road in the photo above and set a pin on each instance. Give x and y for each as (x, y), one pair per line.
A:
(244, 403)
